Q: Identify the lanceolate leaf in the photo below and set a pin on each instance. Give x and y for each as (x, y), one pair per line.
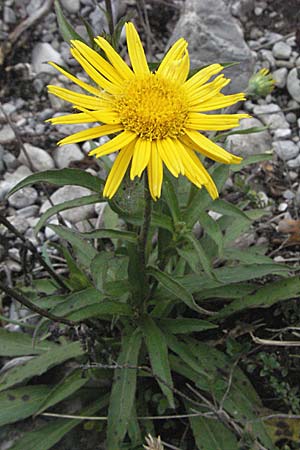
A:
(203, 258)
(211, 227)
(105, 308)
(40, 364)
(211, 434)
(180, 326)
(62, 177)
(123, 391)
(21, 344)
(158, 353)
(66, 30)
(110, 234)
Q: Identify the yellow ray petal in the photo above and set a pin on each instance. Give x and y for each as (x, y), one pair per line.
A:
(104, 115)
(90, 133)
(85, 101)
(116, 60)
(202, 77)
(72, 119)
(197, 121)
(94, 74)
(136, 51)
(167, 149)
(208, 91)
(174, 54)
(98, 62)
(82, 84)
(141, 156)
(155, 172)
(208, 148)
(114, 144)
(217, 102)
(118, 170)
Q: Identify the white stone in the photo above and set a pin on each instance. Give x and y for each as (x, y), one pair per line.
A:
(282, 133)
(67, 193)
(42, 53)
(286, 150)
(40, 159)
(294, 163)
(281, 50)
(271, 115)
(66, 154)
(6, 134)
(11, 179)
(282, 207)
(22, 198)
(249, 144)
(293, 84)
(280, 76)
(72, 6)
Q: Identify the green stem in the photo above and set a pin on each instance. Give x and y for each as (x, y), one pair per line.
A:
(110, 18)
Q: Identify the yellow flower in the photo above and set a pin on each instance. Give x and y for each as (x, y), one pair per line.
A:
(155, 117)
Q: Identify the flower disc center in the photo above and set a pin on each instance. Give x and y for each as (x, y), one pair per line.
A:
(153, 108)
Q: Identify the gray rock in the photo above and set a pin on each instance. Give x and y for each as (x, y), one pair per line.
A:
(39, 158)
(267, 58)
(213, 35)
(72, 6)
(281, 50)
(240, 8)
(9, 16)
(271, 115)
(6, 134)
(286, 150)
(70, 193)
(11, 179)
(66, 154)
(1, 159)
(22, 198)
(293, 84)
(20, 223)
(249, 144)
(294, 163)
(33, 5)
(9, 160)
(280, 76)
(288, 194)
(282, 133)
(42, 53)
(291, 117)
(28, 211)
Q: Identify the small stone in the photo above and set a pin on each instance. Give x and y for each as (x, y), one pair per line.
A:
(294, 163)
(281, 50)
(64, 155)
(291, 117)
(28, 211)
(282, 207)
(42, 53)
(288, 194)
(9, 16)
(286, 150)
(293, 84)
(67, 193)
(280, 76)
(72, 6)
(40, 159)
(22, 198)
(11, 179)
(20, 223)
(271, 115)
(282, 133)
(6, 134)
(249, 144)
(293, 175)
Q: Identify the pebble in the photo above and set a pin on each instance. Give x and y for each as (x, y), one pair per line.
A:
(72, 6)
(282, 133)
(249, 144)
(42, 53)
(7, 134)
(294, 163)
(280, 76)
(65, 194)
(282, 207)
(293, 84)
(28, 211)
(9, 15)
(281, 50)
(288, 194)
(65, 155)
(271, 115)
(286, 149)
(22, 198)
(40, 159)
(291, 117)
(293, 175)
(11, 179)
(20, 223)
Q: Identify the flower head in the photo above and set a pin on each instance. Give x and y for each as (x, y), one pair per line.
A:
(153, 443)
(155, 117)
(261, 83)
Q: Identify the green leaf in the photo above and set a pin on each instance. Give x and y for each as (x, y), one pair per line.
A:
(40, 364)
(99, 268)
(170, 196)
(253, 159)
(123, 391)
(19, 403)
(66, 30)
(211, 227)
(62, 177)
(107, 307)
(179, 326)
(174, 287)
(203, 258)
(105, 233)
(211, 434)
(228, 209)
(67, 386)
(241, 131)
(159, 358)
(21, 344)
(86, 200)
(47, 436)
(77, 280)
(264, 297)
(250, 256)
(86, 252)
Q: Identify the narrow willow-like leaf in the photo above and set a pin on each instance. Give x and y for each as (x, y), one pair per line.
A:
(106, 233)
(123, 391)
(40, 364)
(86, 200)
(66, 30)
(67, 386)
(21, 344)
(107, 307)
(181, 326)
(170, 196)
(203, 258)
(226, 208)
(250, 130)
(212, 435)
(174, 287)
(19, 403)
(159, 358)
(211, 227)
(62, 177)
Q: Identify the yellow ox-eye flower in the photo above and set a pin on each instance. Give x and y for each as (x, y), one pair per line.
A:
(155, 116)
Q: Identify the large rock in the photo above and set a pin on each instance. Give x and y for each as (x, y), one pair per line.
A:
(214, 36)
(249, 144)
(67, 193)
